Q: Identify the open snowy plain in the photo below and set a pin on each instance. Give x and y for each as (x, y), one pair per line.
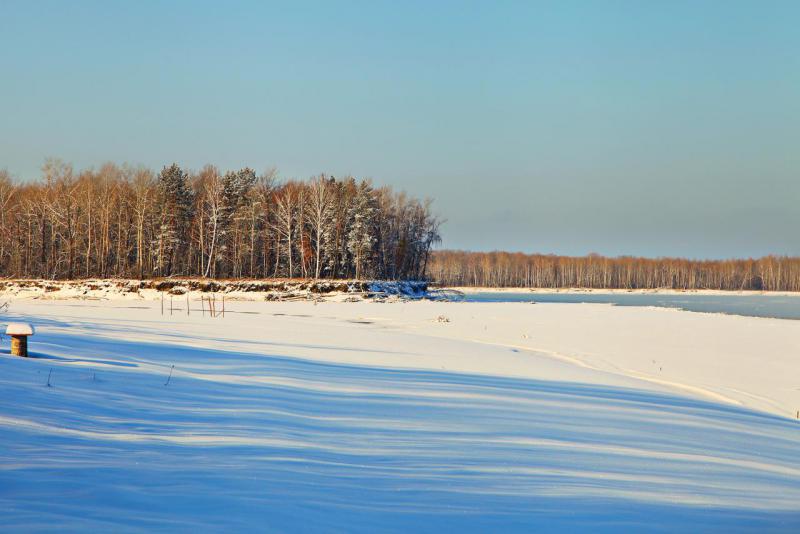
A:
(403, 416)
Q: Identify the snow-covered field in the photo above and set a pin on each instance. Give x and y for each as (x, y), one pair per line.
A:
(402, 416)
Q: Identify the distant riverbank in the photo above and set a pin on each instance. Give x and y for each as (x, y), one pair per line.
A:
(601, 291)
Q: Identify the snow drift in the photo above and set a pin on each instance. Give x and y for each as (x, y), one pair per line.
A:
(296, 417)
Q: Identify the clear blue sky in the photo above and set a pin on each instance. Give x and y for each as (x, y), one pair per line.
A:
(640, 127)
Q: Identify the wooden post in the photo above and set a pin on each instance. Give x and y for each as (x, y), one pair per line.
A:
(162, 303)
(187, 304)
(19, 346)
(223, 305)
(19, 333)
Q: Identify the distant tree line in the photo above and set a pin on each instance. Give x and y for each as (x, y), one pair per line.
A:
(122, 221)
(503, 269)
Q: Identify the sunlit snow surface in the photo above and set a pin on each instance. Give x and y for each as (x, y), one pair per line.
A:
(268, 441)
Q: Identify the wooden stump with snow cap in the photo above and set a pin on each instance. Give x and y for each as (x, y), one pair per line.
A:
(19, 333)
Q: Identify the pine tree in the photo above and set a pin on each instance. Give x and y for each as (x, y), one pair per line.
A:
(176, 201)
(236, 187)
(361, 234)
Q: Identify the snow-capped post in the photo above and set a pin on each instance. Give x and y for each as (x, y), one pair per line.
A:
(19, 333)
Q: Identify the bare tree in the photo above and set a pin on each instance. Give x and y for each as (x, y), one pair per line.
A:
(320, 216)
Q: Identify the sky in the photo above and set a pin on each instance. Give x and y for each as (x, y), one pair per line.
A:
(648, 128)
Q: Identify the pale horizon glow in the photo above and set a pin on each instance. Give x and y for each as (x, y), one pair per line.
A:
(621, 128)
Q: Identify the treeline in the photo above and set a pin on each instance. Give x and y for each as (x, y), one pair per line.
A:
(503, 269)
(121, 221)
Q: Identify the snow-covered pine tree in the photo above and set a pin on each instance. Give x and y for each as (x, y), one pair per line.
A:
(361, 234)
(175, 202)
(236, 187)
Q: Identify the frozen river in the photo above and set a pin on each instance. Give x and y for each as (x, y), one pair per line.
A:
(776, 306)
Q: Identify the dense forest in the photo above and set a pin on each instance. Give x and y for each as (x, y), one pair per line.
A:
(121, 221)
(503, 269)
